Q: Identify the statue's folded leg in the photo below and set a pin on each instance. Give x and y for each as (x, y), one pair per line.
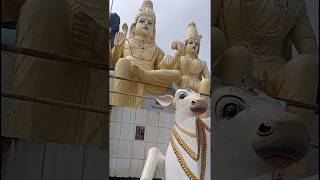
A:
(298, 80)
(160, 77)
(123, 69)
(235, 62)
(204, 86)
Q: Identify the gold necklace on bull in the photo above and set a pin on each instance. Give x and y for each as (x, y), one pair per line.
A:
(185, 131)
(201, 139)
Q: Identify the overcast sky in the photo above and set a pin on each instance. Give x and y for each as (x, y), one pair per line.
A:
(173, 16)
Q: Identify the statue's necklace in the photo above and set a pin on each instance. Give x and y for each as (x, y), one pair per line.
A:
(141, 45)
(193, 64)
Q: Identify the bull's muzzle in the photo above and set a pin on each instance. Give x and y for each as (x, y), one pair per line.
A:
(199, 106)
(281, 142)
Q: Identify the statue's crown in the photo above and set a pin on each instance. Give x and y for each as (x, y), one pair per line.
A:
(192, 32)
(146, 9)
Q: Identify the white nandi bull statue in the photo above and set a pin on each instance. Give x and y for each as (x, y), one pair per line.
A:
(253, 134)
(188, 153)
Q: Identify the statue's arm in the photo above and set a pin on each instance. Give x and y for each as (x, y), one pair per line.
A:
(161, 60)
(205, 71)
(303, 36)
(117, 53)
(119, 43)
(10, 10)
(169, 62)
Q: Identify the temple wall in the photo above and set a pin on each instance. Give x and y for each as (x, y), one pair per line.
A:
(127, 154)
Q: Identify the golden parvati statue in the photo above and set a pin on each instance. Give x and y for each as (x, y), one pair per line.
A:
(138, 57)
(195, 74)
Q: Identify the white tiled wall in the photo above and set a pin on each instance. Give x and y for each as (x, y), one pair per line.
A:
(127, 155)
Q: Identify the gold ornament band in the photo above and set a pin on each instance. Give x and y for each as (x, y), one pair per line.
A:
(185, 131)
(201, 140)
(181, 161)
(204, 125)
(154, 52)
(185, 146)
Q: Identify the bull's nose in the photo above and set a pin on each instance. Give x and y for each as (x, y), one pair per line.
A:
(281, 140)
(199, 106)
(265, 129)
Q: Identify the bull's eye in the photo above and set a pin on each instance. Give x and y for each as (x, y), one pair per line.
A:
(228, 106)
(230, 110)
(182, 95)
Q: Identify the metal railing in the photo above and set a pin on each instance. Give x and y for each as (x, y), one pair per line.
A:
(100, 66)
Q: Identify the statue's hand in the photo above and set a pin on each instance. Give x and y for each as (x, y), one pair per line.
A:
(119, 39)
(168, 59)
(180, 48)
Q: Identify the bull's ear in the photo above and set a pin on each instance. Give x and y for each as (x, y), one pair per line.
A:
(165, 100)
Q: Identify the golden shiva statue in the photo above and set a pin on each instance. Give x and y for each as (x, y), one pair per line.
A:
(258, 35)
(138, 57)
(195, 74)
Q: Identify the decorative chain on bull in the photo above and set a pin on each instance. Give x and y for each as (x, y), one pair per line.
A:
(202, 145)
(102, 66)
